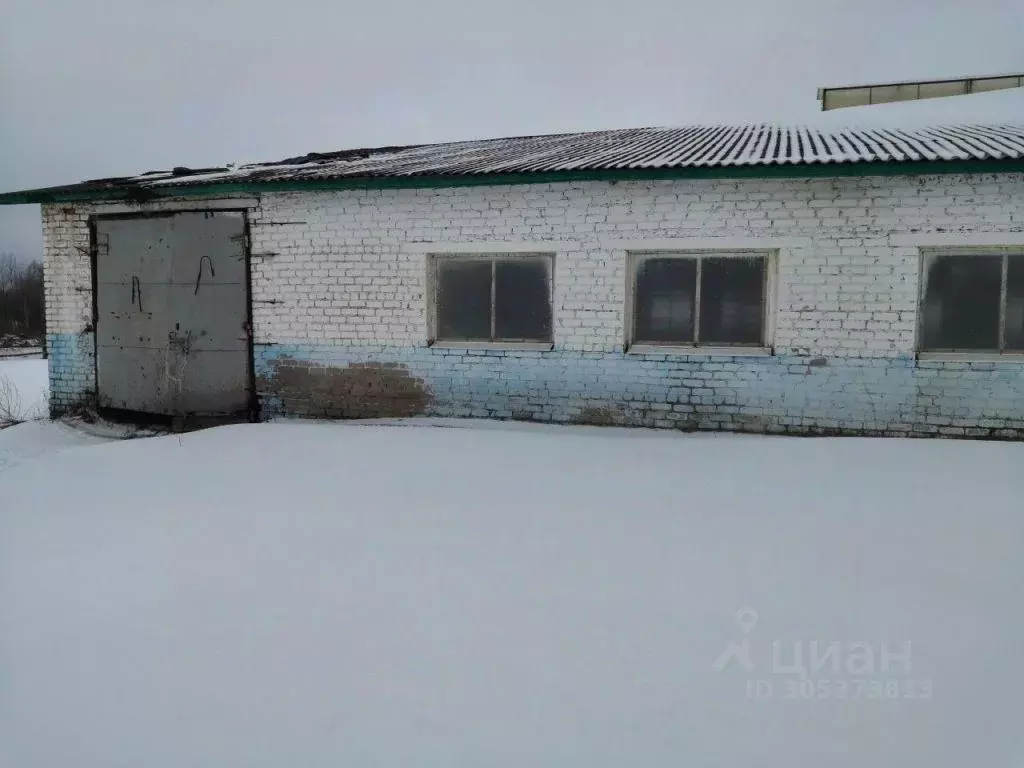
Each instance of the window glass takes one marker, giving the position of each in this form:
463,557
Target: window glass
464,300
732,300
1015,303
522,302
665,300
493,298
962,302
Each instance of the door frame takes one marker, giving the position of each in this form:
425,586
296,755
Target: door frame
252,409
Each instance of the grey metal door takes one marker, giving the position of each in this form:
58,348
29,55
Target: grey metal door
172,302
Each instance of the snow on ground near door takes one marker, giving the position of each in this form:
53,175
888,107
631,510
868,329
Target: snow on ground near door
307,594
24,389
22,442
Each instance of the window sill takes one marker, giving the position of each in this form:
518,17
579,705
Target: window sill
537,346
972,357
658,349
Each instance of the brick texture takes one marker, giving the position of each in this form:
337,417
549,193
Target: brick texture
339,279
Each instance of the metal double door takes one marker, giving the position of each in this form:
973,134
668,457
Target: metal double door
172,299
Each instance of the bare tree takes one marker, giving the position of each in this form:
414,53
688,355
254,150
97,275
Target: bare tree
21,298
10,403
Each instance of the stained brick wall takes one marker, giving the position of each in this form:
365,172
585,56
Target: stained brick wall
67,274
339,279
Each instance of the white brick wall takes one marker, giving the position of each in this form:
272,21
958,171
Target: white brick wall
350,265
339,282
67,268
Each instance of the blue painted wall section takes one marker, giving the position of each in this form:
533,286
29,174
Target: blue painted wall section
72,369
784,394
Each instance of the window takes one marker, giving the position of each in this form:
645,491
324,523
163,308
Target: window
493,298
973,302
700,299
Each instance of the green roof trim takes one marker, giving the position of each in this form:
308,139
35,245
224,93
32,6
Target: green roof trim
83,193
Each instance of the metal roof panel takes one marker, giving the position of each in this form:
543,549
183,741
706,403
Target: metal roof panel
638,149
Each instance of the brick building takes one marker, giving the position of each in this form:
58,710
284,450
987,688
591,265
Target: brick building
754,278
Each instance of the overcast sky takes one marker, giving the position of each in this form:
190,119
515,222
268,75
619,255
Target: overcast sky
92,89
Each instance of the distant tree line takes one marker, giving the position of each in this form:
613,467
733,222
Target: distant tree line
21,298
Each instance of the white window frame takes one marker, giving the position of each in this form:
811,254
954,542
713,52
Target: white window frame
433,287
952,355
635,258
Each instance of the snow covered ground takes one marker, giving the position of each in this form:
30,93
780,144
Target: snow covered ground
310,594
13,352
23,389
22,442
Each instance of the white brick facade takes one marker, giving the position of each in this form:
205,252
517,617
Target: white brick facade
67,270
348,268
352,267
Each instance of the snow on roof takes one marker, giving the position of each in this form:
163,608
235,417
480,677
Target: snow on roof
639,148
636,149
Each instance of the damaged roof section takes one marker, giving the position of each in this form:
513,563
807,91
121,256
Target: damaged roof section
748,150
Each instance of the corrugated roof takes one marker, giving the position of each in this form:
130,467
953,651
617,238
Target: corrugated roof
635,149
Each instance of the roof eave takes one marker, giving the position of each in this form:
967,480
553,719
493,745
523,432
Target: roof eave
139,194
